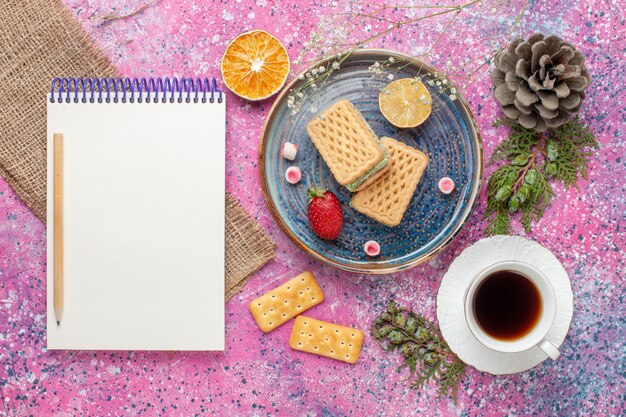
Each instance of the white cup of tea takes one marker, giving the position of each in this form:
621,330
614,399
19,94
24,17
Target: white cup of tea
510,307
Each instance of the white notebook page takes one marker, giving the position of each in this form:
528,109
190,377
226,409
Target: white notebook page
143,226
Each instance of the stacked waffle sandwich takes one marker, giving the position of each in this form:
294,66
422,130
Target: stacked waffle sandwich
383,173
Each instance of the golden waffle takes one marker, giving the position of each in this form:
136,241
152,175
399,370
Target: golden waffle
388,197
347,144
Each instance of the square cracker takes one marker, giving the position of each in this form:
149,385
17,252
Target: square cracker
387,198
346,142
286,301
326,339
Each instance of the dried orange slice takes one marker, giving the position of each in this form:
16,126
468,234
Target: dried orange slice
255,65
405,103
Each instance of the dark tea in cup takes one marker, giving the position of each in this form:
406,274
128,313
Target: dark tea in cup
510,307
507,305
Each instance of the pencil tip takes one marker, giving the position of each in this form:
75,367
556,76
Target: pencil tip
58,322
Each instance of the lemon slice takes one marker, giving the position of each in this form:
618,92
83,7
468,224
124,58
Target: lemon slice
405,103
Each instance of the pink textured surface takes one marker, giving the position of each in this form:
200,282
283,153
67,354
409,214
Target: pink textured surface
258,374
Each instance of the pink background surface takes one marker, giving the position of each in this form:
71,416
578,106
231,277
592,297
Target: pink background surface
259,374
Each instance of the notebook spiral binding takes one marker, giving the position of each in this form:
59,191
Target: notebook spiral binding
116,90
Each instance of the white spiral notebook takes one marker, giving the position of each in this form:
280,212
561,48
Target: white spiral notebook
142,214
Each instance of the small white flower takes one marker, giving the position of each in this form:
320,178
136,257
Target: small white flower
335,65
391,59
452,97
313,109
314,71
390,77
453,90
445,81
438,83
431,82
418,79
321,69
301,76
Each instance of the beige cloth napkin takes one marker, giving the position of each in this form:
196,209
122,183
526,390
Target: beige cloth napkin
39,40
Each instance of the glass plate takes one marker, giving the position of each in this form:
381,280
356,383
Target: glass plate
449,137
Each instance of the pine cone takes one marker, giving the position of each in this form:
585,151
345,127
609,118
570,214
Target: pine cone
540,82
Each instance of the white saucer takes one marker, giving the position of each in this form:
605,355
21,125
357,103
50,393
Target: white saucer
450,302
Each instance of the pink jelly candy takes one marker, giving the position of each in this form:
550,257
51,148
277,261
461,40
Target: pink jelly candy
293,175
371,248
446,185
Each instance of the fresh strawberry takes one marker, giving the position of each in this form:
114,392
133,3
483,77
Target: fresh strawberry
325,213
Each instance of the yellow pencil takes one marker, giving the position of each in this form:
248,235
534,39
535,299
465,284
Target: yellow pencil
58,226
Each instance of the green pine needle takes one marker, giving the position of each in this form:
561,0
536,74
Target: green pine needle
425,353
520,185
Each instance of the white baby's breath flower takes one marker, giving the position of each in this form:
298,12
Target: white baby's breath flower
431,82
452,97
453,90
390,77
391,59
321,69
335,65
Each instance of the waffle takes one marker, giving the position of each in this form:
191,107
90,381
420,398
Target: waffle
348,145
388,197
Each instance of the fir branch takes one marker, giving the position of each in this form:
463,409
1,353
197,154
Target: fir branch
521,184
425,352
572,144
519,143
